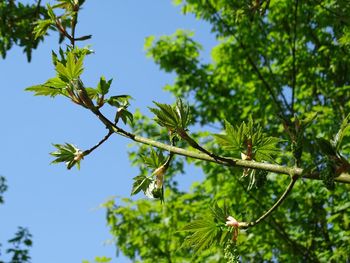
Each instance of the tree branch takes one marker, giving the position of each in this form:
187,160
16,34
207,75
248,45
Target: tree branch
227,161
245,225
87,152
294,74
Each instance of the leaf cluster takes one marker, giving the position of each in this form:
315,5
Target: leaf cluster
147,183
68,154
249,140
20,243
3,188
69,9
175,118
332,161
209,230
17,26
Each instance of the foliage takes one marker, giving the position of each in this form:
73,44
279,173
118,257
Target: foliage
20,243
252,74
18,26
3,188
278,64
99,260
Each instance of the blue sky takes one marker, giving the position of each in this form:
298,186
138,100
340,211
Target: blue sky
61,207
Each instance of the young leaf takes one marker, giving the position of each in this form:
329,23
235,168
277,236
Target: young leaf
344,129
41,27
266,148
165,115
74,67
42,90
204,234
52,87
69,154
92,93
141,182
119,101
103,86
125,115
153,159
248,139
207,231
172,117
183,111
232,140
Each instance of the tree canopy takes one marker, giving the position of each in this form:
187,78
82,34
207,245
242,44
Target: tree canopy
266,120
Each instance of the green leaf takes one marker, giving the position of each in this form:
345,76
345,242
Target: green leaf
119,101
53,87
67,153
125,115
92,93
204,233
141,182
207,231
74,67
102,259
343,131
62,72
50,12
266,148
165,115
41,27
172,117
103,86
154,159
236,140
232,140
183,111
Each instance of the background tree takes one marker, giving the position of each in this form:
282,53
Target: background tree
289,56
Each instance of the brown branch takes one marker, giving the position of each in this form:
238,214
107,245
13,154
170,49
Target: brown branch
87,152
63,30
74,22
245,225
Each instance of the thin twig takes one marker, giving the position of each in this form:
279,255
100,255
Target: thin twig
74,23
245,225
63,30
276,225
87,152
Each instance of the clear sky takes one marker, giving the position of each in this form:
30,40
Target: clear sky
61,207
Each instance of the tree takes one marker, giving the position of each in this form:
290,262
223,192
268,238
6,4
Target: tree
278,86
21,242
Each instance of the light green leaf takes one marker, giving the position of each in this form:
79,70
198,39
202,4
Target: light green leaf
41,27
141,182
67,153
74,67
